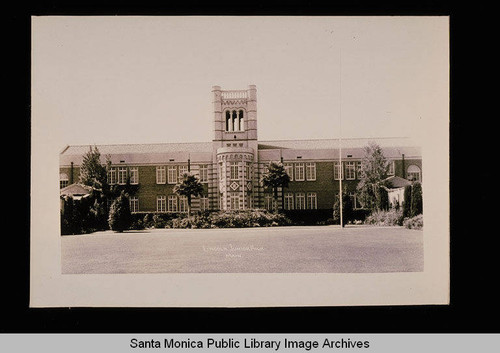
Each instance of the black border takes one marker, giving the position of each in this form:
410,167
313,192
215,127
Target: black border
473,295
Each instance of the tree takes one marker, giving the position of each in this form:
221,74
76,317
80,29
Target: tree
120,217
407,201
374,169
189,186
275,177
416,199
92,172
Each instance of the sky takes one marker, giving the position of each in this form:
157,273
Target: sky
113,80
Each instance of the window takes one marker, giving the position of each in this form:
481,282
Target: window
359,170
247,171
134,204
289,170
311,201
337,171
112,176
350,170
161,204
134,175
172,174
311,171
203,173
183,169
390,168
269,202
172,203
413,173
234,170
299,171
288,201
160,175
300,201
204,203
183,204
122,175
234,202
221,171
240,117
63,180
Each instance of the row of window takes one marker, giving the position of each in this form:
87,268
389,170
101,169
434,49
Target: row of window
174,203
297,201
234,171
296,171
118,175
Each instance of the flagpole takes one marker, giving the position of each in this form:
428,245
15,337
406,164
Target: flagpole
340,142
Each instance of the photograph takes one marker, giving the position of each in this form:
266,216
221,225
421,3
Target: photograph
242,155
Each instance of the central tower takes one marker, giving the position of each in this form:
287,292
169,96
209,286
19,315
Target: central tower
234,184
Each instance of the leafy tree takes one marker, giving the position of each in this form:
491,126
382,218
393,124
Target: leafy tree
374,169
416,199
120,217
189,186
382,199
275,177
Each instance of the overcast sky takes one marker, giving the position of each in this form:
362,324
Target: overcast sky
149,79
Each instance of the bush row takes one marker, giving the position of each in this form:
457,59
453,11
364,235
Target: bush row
231,219
395,217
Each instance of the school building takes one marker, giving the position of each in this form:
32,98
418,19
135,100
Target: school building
231,165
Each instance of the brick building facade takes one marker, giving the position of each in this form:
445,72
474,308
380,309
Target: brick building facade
230,167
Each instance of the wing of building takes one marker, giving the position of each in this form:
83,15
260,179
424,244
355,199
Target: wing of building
231,165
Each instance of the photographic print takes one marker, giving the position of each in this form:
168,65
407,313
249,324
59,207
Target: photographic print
249,156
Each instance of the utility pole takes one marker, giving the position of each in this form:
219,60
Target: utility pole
340,143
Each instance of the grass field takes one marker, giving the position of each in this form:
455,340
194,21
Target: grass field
248,250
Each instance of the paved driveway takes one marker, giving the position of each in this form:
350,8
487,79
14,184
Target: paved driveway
248,250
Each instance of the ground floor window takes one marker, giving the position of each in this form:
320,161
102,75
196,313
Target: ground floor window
288,201
312,201
300,201
204,203
172,204
234,202
134,204
183,204
161,204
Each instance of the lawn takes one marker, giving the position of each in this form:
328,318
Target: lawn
248,250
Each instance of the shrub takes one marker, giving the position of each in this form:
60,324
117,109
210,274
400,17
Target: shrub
120,217
385,218
416,222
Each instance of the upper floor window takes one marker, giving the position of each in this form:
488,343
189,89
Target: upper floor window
311,171
112,176
203,173
122,175
359,170
183,169
134,175
172,174
160,175
234,171
63,180
337,171
234,120
299,171
350,170
390,168
289,170
413,173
